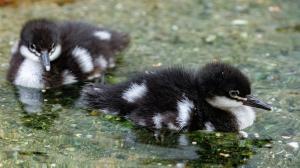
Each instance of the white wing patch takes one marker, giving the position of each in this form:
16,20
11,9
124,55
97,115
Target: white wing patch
101,61
184,108
68,78
30,74
83,59
103,35
134,92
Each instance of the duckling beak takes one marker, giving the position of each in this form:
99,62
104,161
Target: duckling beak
45,60
255,102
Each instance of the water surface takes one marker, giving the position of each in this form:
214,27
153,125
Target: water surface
260,37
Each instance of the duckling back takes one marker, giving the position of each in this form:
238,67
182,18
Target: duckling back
162,99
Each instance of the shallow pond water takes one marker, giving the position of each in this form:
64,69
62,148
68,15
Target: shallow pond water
261,37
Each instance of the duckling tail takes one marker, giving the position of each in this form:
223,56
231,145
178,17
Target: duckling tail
105,98
92,95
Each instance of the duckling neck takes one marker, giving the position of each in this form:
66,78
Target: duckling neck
244,115
30,74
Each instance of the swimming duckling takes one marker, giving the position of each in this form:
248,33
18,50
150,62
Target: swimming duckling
50,54
215,98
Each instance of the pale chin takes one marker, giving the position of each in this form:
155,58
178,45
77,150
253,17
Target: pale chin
29,55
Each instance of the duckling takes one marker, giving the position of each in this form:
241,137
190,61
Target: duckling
51,54
214,98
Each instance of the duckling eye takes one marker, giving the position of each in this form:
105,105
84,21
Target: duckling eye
234,93
32,47
52,46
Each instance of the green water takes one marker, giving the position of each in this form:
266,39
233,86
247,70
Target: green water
261,37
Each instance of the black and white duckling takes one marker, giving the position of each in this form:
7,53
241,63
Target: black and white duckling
50,54
215,98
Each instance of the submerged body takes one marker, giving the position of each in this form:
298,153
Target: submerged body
50,54
179,99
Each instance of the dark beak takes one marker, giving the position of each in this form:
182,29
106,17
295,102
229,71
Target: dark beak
45,60
255,102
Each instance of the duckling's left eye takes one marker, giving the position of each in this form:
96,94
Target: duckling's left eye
234,93
32,47
52,45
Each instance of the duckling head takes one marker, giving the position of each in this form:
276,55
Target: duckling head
226,87
40,42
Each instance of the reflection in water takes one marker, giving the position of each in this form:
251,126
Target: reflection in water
201,148
31,99
42,107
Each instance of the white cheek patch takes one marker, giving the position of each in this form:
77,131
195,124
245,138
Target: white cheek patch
184,108
101,61
223,102
134,92
30,74
209,126
56,53
28,54
157,120
103,35
244,115
83,59
68,78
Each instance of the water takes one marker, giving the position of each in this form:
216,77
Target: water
260,37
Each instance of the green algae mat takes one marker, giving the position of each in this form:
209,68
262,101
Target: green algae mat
261,37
